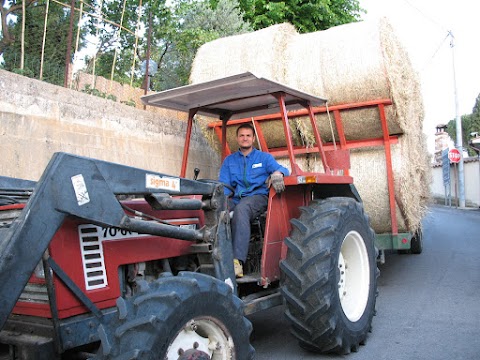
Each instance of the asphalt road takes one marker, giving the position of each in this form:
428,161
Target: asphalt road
428,306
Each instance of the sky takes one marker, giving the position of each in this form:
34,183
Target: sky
423,27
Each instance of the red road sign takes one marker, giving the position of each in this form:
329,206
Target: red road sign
454,155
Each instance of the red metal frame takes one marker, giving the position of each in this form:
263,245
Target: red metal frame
299,150
186,147
388,159
290,150
281,208
334,157
13,207
288,134
318,138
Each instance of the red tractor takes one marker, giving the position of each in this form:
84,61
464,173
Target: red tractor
105,261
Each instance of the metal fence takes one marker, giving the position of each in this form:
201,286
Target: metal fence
50,25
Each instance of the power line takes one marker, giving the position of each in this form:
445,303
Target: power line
430,18
435,52
436,23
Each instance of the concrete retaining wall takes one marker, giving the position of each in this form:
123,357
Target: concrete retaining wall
38,119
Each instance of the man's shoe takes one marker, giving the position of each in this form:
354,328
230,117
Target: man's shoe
238,268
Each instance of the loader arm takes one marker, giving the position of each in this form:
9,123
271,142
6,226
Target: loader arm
87,188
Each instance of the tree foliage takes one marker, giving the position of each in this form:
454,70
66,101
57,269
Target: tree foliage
178,28
176,34
470,124
305,15
198,24
58,23
9,9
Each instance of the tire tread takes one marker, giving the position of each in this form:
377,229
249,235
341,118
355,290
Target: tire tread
309,283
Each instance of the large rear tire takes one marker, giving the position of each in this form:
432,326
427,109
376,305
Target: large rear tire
330,276
189,316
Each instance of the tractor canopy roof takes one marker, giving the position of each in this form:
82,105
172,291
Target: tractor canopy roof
234,97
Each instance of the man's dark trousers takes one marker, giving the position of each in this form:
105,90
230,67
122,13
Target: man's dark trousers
244,212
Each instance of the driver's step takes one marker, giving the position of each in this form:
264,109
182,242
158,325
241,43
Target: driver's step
249,278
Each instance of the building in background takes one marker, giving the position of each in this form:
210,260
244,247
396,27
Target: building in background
442,141
472,172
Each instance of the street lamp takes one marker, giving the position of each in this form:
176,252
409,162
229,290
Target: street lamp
458,123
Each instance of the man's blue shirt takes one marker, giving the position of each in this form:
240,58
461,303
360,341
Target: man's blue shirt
247,174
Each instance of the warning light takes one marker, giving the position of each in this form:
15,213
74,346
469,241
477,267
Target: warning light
310,179
404,240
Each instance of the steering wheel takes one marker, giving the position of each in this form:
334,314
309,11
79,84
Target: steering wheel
232,190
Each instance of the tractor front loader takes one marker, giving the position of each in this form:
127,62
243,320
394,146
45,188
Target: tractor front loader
80,194
104,261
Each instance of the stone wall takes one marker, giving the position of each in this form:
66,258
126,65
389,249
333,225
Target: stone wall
38,119
122,92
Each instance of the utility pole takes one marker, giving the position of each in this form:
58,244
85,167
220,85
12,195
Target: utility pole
68,53
149,39
458,122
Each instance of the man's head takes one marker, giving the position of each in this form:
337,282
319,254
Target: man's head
245,137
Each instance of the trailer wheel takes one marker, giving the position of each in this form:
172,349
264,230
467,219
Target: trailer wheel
189,316
416,244
330,276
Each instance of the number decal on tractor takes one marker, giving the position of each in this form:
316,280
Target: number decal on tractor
114,233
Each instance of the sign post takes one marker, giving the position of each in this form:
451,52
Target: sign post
454,156
446,177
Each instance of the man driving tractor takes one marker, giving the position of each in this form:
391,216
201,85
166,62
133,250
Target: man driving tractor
250,172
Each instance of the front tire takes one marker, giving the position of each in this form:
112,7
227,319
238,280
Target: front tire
189,316
330,276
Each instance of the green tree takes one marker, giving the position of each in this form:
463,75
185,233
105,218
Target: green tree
199,23
9,10
58,24
470,124
177,32
305,15
116,44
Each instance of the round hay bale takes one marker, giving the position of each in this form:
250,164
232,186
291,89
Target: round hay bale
368,168
261,52
411,173
354,63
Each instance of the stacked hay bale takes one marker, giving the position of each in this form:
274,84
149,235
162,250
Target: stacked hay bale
263,53
346,64
360,62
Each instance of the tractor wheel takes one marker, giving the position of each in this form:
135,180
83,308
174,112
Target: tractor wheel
330,276
416,244
189,316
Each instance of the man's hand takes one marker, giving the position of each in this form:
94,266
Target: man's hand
276,180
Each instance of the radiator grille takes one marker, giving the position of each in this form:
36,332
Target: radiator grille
92,256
